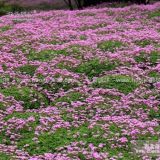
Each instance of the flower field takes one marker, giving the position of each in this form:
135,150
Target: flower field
79,85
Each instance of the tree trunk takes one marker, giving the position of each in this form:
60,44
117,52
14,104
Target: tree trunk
79,4
69,4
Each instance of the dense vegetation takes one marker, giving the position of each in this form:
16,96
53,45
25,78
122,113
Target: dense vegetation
81,84
84,3
6,6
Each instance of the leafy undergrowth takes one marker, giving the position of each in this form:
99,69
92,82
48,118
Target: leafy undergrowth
80,85
4,156
123,83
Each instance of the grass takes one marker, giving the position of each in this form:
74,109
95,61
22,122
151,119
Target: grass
5,28
21,115
49,142
86,14
154,74
4,156
93,27
154,114
141,57
26,134
94,67
83,37
154,14
2,106
153,57
75,96
3,138
66,116
45,55
26,95
27,69
146,42
114,128
4,67
124,84
55,86
110,45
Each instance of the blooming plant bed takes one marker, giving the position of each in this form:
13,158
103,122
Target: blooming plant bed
79,85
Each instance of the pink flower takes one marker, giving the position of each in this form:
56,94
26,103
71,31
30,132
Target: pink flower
96,156
123,140
157,85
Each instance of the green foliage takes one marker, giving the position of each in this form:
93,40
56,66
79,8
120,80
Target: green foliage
154,114
124,84
154,14
4,67
26,134
66,116
3,138
75,96
154,74
48,142
4,156
46,55
5,28
55,42
55,86
2,106
28,69
4,9
114,128
94,67
81,156
143,43
141,57
86,14
146,42
7,8
21,115
93,27
110,45
147,137
26,95
153,57
83,37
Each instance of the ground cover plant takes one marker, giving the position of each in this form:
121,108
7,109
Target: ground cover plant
79,85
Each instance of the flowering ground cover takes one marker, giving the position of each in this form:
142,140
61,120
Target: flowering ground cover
79,85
